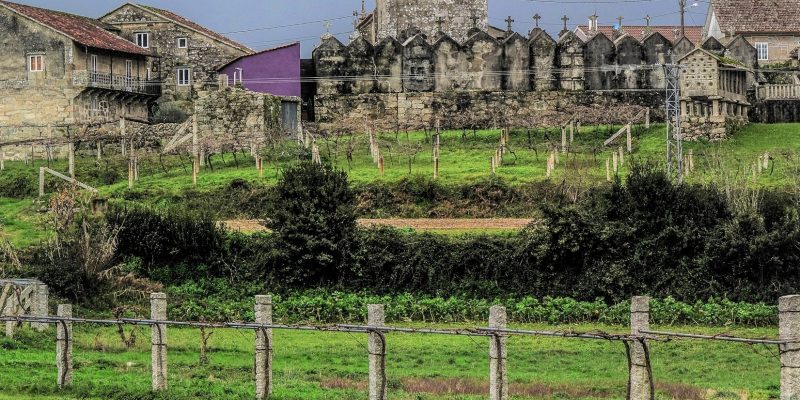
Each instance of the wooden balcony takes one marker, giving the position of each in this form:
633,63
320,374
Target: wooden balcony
120,83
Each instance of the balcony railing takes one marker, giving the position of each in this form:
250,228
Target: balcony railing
779,92
122,83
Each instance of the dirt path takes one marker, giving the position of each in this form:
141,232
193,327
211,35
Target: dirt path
423,224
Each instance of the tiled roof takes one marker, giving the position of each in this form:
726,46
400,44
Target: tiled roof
693,33
757,15
197,27
86,31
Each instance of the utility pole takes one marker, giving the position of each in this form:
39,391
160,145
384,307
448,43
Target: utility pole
682,4
672,73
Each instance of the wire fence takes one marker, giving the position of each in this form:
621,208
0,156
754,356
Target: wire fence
640,385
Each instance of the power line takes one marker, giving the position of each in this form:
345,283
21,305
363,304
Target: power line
267,28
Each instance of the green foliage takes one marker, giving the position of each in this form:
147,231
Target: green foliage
170,112
314,216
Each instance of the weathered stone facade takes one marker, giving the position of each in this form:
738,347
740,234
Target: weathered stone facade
205,51
77,84
392,17
423,109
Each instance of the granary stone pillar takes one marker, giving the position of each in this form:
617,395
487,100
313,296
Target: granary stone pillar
376,317
715,107
158,349
639,362
263,310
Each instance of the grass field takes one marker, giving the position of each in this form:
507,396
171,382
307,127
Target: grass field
334,366
464,159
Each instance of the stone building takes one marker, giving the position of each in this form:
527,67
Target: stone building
456,17
713,95
188,53
59,69
771,27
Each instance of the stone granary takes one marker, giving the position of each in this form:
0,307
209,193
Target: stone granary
713,95
483,70
59,69
188,53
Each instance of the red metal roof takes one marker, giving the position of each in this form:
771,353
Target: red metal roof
86,31
195,26
693,33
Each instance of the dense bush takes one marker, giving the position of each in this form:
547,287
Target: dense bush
314,217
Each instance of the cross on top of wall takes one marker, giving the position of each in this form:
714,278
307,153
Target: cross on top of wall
620,18
510,22
327,30
565,19
474,19
440,23
536,19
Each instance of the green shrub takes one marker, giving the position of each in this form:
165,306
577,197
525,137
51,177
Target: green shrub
170,112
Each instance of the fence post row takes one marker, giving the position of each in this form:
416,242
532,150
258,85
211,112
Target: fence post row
39,306
376,317
498,355
639,380
789,329
64,346
263,359
158,349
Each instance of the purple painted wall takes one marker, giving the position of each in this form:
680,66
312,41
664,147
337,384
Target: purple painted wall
275,71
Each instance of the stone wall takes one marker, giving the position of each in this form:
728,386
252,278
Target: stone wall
423,109
234,112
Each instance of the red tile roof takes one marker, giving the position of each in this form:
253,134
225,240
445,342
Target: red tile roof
693,33
86,31
757,16
195,26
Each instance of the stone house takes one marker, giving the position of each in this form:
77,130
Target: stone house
713,95
772,27
59,69
188,53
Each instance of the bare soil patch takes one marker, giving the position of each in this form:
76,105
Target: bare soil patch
422,224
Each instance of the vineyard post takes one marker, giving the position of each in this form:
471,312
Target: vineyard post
621,156
40,306
158,349
630,139
2,159
571,131
789,329
498,355
263,311
563,139
608,170
376,317
64,346
41,181
615,159
122,134
647,119
639,374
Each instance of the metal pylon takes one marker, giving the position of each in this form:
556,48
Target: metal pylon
672,73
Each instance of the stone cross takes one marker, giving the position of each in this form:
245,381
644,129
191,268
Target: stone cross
647,19
565,19
536,19
363,7
620,18
510,22
356,20
474,19
593,22
328,26
440,23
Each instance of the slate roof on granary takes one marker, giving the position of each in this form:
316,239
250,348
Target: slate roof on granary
196,27
693,33
86,31
757,16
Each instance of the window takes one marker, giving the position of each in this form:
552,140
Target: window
36,63
129,68
763,51
184,77
143,40
93,68
183,43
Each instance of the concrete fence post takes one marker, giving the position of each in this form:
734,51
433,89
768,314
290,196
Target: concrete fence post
377,353
263,310
158,349
40,306
789,328
639,374
498,355
64,346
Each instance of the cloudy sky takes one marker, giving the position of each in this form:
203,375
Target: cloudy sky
262,24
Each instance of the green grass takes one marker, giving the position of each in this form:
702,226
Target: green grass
20,223
307,363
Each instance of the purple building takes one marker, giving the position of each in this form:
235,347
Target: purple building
275,71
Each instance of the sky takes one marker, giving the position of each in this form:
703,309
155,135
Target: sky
261,24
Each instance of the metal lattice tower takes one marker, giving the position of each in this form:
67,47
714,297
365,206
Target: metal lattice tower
672,73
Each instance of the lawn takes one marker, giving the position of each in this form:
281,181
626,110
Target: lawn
334,366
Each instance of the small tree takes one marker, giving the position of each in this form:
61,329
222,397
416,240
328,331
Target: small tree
315,218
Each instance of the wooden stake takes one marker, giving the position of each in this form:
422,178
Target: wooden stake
621,156
260,167
571,132
435,167
630,139
647,119
2,159
382,166
615,157
563,139
608,170
130,173
41,181
71,148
